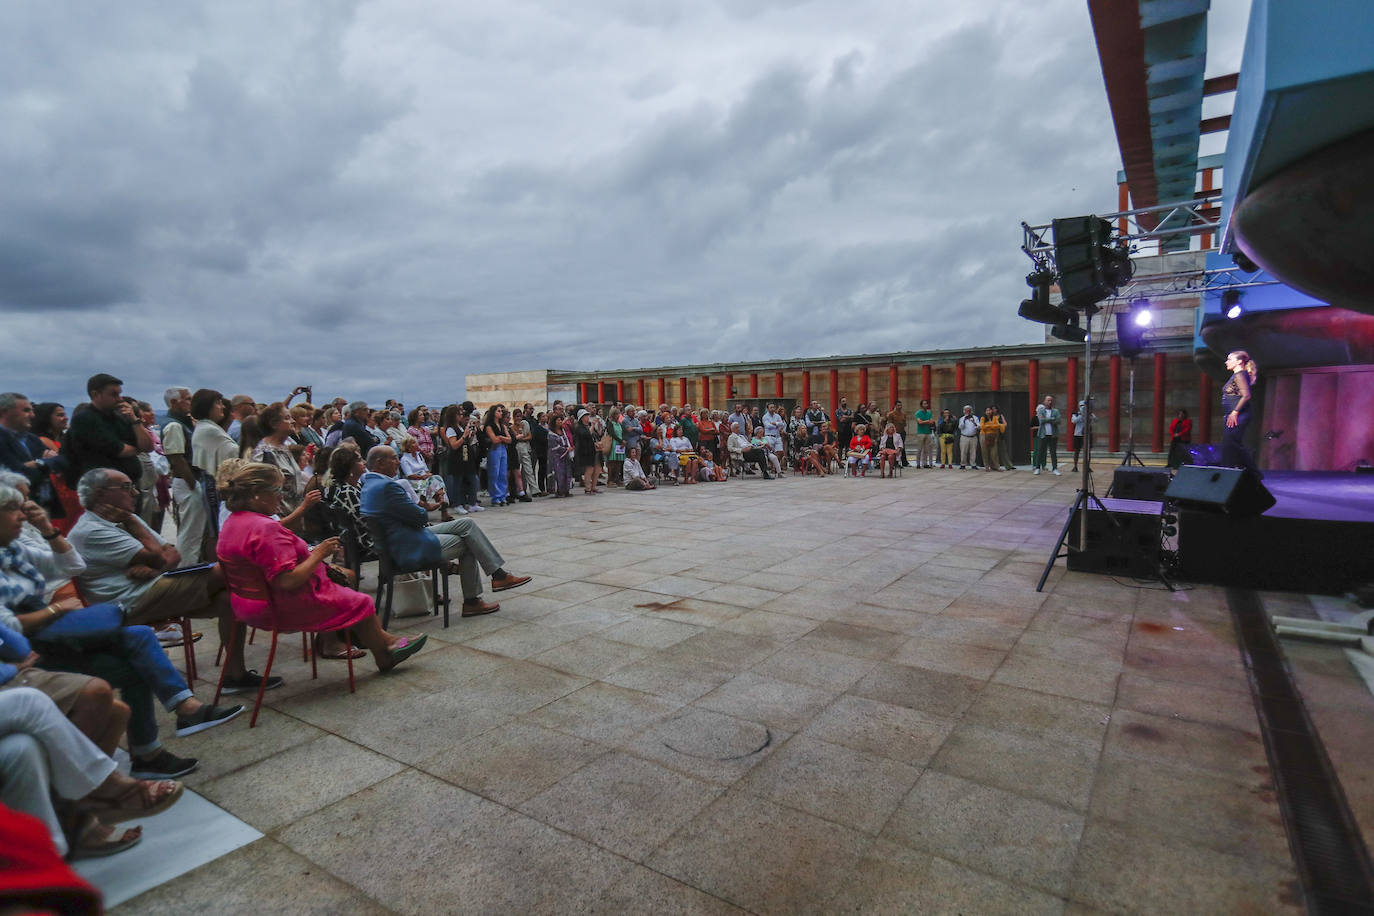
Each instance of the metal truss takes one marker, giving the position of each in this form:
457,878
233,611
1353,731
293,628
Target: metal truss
1187,282
1162,221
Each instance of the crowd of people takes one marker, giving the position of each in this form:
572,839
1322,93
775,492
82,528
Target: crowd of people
277,504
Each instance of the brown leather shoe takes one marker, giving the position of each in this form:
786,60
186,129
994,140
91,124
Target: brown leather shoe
479,607
507,581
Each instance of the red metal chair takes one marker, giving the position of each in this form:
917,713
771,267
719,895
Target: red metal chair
247,581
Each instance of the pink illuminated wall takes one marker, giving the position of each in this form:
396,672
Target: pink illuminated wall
1325,415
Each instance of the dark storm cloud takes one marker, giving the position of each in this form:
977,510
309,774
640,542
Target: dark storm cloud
379,197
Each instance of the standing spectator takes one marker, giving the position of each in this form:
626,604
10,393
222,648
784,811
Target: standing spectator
1080,424
1180,437
210,446
418,427
539,442
355,427
774,426
108,435
991,429
615,461
947,431
897,417
498,436
306,416
188,497
1046,435
844,421
460,434
968,438
241,407
522,425
561,456
1004,442
22,451
739,418
49,423
925,435
689,425
585,452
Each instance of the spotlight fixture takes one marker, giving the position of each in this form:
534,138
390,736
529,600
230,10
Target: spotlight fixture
1230,304
1130,327
1070,330
1038,307
1244,262
1092,265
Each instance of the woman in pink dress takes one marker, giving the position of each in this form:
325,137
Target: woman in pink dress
256,551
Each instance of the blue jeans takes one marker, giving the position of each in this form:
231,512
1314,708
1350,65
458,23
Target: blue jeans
496,473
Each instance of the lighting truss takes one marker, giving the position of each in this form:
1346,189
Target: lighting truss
1162,221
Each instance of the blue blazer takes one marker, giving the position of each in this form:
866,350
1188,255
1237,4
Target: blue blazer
411,545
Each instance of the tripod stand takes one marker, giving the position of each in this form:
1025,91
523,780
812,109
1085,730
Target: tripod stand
1086,498
1130,455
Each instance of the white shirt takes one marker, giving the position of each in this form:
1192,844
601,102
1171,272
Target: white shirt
107,549
414,464
211,446
968,425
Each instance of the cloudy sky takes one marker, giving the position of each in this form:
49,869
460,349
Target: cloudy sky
378,196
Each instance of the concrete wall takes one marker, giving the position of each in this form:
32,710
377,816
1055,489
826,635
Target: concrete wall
509,388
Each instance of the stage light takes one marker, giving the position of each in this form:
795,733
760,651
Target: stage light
1070,330
1143,318
1038,307
1230,304
1130,328
1092,265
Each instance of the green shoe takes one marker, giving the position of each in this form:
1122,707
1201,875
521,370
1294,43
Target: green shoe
402,653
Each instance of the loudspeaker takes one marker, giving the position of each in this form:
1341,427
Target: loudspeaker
1139,483
1235,491
1126,543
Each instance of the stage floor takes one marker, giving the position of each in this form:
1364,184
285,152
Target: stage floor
1331,495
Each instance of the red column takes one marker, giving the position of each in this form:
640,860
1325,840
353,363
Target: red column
1074,395
1157,415
960,377
662,390
834,391
584,390
1033,382
1123,200
729,389
1114,403
620,390
639,392
863,384
1206,186
777,379
705,392
806,387
601,391
682,390
1203,431
753,384
925,382
995,374
893,395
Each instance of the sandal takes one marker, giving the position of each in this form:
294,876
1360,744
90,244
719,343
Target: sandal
96,840
142,798
339,654
404,649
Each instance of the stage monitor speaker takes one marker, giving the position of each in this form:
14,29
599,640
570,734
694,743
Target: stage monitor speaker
1140,483
1130,547
1235,491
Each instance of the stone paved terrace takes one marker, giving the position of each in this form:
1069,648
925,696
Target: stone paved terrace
772,697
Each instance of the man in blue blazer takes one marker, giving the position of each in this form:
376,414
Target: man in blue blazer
413,545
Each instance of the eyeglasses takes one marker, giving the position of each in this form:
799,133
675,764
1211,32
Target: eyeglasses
121,486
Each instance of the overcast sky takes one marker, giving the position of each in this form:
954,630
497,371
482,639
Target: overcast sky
377,197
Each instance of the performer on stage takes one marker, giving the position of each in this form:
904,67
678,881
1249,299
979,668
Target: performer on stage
1236,400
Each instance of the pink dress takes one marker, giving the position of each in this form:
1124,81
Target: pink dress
260,541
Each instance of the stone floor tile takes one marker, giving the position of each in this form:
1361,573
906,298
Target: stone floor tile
1188,668
299,780
604,713
650,632
590,656
838,783
1070,649
512,763
1040,715
934,692
412,729
243,881
622,803
1079,681
1110,631
1153,799
695,611
234,746
775,703
951,657
1128,873
1017,839
746,596
678,586
523,640
1175,700
1228,752
709,745
724,649
847,639
449,851
802,664
673,678
576,591
1056,770
781,627
646,891
519,687
796,859
892,878
988,634
872,613
895,732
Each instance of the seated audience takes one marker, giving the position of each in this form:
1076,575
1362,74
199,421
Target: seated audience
635,478
415,546
760,442
860,448
741,449
430,491
889,451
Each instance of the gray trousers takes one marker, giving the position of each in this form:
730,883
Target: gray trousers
526,455
968,450
41,752
463,541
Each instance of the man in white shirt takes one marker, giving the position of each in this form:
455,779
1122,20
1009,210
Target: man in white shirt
774,425
187,494
968,439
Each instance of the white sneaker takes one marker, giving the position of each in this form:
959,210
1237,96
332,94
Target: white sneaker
460,510
1056,473
477,508
1036,471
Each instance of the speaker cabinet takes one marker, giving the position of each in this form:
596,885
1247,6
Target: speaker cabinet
1234,491
1140,483
1126,543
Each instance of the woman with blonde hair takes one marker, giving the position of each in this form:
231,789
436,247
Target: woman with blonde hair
1237,397
255,549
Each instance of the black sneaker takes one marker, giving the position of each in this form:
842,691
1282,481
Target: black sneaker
162,765
249,683
206,717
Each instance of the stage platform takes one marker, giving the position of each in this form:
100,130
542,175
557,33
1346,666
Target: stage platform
1317,538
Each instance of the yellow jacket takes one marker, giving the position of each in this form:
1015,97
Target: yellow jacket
987,425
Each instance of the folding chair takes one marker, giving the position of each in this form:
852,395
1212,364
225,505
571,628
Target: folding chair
388,570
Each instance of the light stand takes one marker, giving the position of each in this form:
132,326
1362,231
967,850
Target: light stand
1082,502
1130,455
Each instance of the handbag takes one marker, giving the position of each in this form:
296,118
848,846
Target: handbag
605,444
81,630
